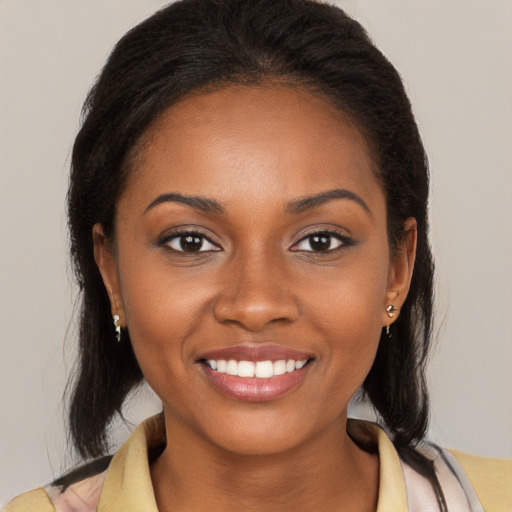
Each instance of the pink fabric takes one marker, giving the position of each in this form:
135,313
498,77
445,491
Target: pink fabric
80,497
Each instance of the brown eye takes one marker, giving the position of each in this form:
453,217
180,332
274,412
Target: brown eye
190,242
321,242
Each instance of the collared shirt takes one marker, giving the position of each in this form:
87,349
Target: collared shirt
469,483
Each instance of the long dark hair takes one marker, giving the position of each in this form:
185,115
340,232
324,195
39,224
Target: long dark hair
196,44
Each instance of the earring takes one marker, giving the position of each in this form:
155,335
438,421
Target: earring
391,310
117,327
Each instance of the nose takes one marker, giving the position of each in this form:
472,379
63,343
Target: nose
256,293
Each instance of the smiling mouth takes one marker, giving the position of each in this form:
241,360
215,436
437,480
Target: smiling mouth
255,369
255,381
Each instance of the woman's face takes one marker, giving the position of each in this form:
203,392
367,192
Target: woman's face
252,267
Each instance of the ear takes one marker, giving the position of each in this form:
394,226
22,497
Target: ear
106,262
400,272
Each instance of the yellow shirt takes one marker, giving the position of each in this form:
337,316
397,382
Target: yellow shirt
469,483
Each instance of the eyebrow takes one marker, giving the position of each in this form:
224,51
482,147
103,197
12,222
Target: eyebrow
206,205
306,203
197,202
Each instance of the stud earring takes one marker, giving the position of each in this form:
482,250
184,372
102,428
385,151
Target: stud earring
391,310
117,327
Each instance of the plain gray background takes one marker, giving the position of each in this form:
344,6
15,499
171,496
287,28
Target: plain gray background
455,57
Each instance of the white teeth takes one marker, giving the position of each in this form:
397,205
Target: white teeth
264,369
280,367
246,369
232,367
260,369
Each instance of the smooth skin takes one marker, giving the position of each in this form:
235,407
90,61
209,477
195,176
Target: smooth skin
254,274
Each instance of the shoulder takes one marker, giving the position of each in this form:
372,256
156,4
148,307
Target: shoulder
82,496
491,479
80,490
32,501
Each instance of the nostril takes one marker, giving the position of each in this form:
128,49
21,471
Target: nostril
256,313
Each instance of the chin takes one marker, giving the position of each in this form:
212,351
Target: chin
267,433
265,444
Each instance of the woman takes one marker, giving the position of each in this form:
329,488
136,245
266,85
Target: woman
248,218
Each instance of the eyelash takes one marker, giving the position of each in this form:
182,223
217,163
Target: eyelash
191,233
344,240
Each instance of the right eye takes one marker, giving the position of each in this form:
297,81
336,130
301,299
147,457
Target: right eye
190,242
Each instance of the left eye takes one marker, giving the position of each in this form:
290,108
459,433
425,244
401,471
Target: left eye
190,242
319,242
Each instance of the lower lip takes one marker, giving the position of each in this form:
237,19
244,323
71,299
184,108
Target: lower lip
250,389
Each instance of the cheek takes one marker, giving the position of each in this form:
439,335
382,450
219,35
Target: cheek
163,312
348,312
351,298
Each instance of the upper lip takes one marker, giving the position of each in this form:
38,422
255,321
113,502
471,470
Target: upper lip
255,353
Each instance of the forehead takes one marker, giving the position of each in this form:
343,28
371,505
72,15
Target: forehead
246,141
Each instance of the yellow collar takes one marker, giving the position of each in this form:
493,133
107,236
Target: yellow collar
128,483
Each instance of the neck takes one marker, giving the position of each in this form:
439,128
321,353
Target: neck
328,472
